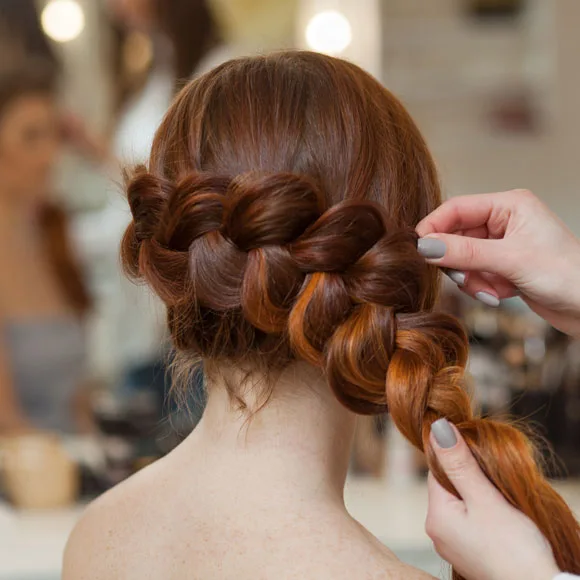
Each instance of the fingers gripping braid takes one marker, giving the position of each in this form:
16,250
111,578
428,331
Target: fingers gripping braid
425,382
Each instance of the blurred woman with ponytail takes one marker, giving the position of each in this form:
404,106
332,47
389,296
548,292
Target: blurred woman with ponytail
158,46
276,221
43,298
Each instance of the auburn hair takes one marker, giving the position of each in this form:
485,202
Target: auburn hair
276,221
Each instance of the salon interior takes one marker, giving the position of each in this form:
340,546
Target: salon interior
493,85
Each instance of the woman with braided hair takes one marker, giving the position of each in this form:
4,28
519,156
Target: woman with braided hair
276,220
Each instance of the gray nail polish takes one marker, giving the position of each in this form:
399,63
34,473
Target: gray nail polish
457,276
444,434
431,249
487,299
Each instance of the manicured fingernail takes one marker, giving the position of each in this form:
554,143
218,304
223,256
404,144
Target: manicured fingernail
488,299
431,248
457,276
444,434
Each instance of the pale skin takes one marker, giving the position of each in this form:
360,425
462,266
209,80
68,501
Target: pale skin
506,243
255,499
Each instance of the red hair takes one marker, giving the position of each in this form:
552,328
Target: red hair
276,220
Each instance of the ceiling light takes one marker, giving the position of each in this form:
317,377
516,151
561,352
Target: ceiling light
63,20
329,32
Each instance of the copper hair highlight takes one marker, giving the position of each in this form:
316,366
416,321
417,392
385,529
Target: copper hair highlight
276,220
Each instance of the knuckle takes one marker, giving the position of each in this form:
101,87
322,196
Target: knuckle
471,252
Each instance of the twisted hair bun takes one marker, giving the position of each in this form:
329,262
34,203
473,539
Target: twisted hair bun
261,260
281,228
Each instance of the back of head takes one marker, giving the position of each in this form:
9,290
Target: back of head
280,206
276,221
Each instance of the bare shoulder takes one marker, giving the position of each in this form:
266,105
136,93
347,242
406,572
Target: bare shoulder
102,534
154,526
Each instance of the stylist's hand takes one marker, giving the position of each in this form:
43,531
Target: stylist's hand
481,535
499,245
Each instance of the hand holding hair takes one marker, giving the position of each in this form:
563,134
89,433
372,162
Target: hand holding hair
496,246
481,534
499,245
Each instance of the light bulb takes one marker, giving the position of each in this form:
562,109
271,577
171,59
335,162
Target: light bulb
329,32
63,20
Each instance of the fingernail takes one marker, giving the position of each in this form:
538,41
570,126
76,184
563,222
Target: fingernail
488,299
457,276
431,248
444,434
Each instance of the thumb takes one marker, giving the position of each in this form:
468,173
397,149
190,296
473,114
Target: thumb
445,514
465,253
459,465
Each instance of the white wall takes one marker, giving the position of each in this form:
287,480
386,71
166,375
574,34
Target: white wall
443,68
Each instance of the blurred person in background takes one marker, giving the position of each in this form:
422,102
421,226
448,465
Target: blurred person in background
22,38
43,298
159,46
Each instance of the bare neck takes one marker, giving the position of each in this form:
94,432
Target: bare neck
299,442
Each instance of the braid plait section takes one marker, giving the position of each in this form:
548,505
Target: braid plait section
259,254
216,251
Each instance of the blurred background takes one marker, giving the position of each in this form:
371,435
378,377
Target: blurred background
494,86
